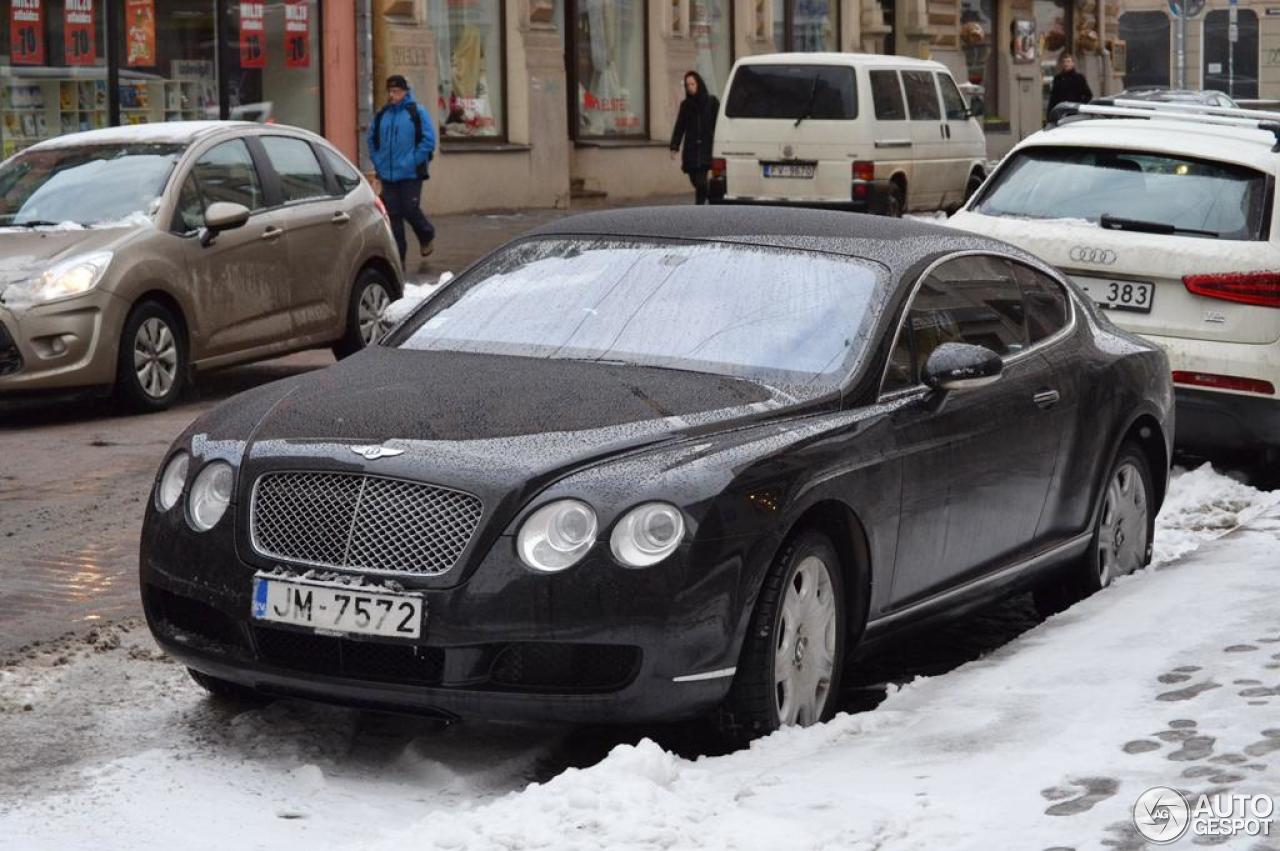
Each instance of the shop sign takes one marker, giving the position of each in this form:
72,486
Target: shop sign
140,32
77,32
253,42
26,32
297,34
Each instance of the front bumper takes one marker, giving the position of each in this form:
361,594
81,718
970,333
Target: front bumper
64,345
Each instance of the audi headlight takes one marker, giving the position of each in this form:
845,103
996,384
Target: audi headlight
557,535
172,480
210,496
647,534
70,277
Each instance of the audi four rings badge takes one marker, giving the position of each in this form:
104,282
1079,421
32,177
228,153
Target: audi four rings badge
1096,256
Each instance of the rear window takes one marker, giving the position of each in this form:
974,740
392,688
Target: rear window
815,92
1193,197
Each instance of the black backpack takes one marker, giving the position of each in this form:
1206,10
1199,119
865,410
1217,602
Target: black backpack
415,115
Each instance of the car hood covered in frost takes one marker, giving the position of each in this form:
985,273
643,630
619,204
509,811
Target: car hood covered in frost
25,252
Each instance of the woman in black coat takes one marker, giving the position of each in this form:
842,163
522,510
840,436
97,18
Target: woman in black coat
1069,85
696,126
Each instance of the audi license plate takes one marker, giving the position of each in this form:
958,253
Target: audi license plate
335,608
801,170
1119,295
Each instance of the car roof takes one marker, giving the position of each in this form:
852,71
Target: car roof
899,244
169,132
858,59
1241,145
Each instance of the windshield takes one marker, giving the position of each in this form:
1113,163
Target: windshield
87,184
817,92
785,317
1213,198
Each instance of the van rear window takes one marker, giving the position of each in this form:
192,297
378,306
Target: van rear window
813,92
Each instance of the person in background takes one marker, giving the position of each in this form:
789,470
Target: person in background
402,140
1069,85
696,126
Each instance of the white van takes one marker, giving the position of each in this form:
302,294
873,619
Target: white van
856,131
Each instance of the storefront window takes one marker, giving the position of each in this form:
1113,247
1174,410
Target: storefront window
468,36
272,57
805,25
169,69
712,29
977,29
1234,71
609,67
1146,39
1053,25
53,70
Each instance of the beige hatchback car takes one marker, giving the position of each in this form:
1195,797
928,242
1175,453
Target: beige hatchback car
132,257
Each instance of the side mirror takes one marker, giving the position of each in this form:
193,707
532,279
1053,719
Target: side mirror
221,216
961,366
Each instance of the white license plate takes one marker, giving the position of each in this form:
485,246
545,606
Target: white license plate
801,170
337,608
1119,295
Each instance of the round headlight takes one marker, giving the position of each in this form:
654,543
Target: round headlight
647,534
172,480
210,496
557,535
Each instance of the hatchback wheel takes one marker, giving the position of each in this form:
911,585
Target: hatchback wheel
367,321
152,366
789,670
1121,540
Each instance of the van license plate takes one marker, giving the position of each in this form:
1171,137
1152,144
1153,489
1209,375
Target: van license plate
800,170
1134,296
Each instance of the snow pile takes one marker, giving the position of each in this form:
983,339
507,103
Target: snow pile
414,294
1203,504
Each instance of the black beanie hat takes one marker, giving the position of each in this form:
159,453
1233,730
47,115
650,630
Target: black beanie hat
397,81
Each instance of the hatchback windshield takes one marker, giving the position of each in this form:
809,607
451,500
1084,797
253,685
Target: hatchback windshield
87,184
1192,197
776,316
819,92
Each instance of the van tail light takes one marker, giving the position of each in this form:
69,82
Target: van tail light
1258,288
864,170
1224,382
718,167
382,208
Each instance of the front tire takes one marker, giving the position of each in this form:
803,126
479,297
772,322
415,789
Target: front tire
151,368
367,321
1122,533
789,670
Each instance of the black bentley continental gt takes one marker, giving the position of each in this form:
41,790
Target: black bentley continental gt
662,463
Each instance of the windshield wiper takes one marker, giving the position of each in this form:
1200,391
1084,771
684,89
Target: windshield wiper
1111,222
808,107
35,223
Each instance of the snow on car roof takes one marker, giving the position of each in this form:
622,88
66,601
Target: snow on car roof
175,132
1241,145
839,59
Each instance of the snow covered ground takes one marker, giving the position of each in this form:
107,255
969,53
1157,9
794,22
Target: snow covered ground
1172,677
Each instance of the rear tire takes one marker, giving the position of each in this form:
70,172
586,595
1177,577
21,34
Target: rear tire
1122,534
896,203
366,313
789,669
151,366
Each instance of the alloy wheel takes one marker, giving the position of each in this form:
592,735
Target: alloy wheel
804,657
155,358
1122,537
374,323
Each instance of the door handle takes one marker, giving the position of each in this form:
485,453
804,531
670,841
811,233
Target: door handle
340,218
893,143
1046,398
272,233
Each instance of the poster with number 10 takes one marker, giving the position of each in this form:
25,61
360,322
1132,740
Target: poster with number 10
253,42
26,32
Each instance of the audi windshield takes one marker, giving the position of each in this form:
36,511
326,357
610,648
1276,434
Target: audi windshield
1131,190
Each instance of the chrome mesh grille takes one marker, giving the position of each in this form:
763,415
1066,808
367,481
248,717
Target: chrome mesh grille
362,522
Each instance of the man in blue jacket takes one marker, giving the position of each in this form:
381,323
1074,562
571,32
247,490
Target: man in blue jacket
401,143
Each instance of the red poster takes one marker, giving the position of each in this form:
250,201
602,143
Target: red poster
253,42
77,30
26,32
297,33
140,32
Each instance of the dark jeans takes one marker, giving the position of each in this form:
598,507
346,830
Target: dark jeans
401,198
699,181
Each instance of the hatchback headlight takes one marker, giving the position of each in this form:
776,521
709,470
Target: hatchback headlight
70,277
210,496
647,534
557,535
172,480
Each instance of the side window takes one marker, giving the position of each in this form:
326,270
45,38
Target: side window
901,371
346,176
886,93
951,99
226,173
922,95
295,162
1045,302
190,213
